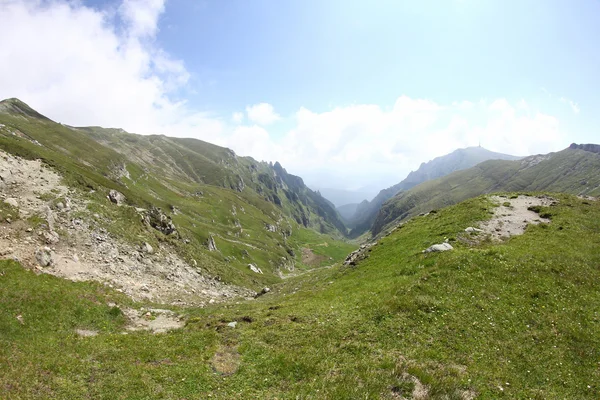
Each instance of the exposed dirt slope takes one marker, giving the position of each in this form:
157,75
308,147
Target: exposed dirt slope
78,250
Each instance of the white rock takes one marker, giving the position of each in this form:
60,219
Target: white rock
439,247
44,256
51,237
146,248
471,229
116,197
11,201
232,324
255,269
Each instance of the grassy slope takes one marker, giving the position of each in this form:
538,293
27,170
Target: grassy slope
522,316
570,171
87,165
196,161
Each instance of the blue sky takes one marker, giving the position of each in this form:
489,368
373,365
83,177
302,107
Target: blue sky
343,93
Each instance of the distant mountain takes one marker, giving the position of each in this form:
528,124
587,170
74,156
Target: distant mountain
574,170
458,160
347,211
340,197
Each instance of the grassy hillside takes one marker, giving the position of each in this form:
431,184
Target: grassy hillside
255,212
460,159
572,170
517,319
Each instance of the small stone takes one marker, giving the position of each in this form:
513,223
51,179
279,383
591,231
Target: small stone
11,201
232,324
255,269
146,248
44,256
438,248
116,197
29,230
51,237
210,243
86,332
471,229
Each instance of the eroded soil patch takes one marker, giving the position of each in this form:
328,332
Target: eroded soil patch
512,216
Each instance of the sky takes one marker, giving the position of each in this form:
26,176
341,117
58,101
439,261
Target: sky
346,94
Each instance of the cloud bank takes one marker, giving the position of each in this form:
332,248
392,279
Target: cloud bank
83,66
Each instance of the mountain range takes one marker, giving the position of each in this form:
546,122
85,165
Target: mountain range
572,170
366,212
253,210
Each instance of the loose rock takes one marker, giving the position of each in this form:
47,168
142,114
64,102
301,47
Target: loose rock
11,201
439,247
255,269
210,243
146,248
116,197
44,256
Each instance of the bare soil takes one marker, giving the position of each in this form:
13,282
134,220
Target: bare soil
511,220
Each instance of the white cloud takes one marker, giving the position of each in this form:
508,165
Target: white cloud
75,65
574,106
262,114
237,117
141,16
362,144
83,66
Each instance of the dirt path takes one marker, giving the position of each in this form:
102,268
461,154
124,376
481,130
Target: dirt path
512,216
82,251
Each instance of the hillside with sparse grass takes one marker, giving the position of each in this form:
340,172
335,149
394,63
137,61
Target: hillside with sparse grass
573,170
367,212
517,318
228,211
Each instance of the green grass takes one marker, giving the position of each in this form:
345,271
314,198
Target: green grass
523,315
568,171
168,172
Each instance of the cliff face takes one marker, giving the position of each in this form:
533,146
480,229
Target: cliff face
593,148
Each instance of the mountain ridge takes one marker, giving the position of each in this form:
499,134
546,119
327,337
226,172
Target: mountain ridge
229,211
572,170
459,159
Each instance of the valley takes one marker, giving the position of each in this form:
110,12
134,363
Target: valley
136,267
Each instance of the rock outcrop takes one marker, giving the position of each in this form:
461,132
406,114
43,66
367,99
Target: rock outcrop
160,221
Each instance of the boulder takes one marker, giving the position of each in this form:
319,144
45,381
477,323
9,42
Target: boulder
271,228
11,201
255,269
160,221
116,197
146,248
210,243
51,237
471,229
439,247
44,256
